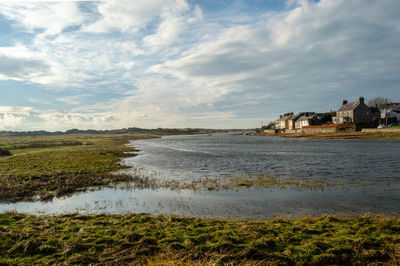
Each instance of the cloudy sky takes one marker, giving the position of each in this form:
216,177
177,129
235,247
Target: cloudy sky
190,63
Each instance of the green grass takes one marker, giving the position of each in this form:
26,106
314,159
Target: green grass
57,165
141,238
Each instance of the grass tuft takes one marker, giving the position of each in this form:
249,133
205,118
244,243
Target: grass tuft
155,240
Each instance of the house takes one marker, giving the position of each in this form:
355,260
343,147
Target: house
393,115
354,112
293,120
277,123
304,121
376,112
284,120
296,123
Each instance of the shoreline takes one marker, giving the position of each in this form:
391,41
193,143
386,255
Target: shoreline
54,170
350,135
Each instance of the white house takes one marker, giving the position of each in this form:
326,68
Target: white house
391,113
304,120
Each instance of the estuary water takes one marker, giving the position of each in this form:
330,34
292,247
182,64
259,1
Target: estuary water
368,172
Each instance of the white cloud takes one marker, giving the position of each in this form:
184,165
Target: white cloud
171,26
51,17
130,16
18,63
167,32
179,67
12,117
29,118
297,54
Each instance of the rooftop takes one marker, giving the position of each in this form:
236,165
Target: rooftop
348,106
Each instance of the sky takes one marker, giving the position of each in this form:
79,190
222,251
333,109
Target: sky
190,63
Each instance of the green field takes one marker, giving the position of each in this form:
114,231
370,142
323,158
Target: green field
57,165
144,239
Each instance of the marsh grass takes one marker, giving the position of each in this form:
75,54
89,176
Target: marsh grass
51,166
161,240
140,181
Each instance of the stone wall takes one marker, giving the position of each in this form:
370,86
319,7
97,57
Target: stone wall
270,131
381,130
292,131
327,129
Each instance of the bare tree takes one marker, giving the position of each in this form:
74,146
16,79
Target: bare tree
379,101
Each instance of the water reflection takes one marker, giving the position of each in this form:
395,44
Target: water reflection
243,203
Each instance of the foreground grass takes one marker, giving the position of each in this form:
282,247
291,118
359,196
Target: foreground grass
57,165
141,238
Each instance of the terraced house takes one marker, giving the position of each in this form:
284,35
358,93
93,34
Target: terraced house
354,112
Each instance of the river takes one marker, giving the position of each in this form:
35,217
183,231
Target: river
368,171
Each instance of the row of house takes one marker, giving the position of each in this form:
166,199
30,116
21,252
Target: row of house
290,121
349,112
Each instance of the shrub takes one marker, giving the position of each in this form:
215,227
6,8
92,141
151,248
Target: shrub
4,152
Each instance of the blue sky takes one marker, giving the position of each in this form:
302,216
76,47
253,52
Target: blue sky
190,63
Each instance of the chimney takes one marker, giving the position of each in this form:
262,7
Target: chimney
361,100
344,102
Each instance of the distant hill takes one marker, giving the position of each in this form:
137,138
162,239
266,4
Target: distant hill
132,130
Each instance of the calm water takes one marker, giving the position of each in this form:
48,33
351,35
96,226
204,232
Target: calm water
365,161
369,169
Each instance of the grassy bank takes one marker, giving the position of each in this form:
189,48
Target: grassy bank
57,165
48,166
118,239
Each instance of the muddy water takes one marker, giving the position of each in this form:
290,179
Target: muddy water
368,169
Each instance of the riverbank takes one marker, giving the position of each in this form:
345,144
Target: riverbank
145,239
44,167
48,166
350,135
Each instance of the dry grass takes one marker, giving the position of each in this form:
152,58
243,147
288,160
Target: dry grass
140,181
160,240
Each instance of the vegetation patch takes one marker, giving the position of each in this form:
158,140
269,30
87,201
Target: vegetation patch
145,239
51,166
229,182
4,152
43,144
